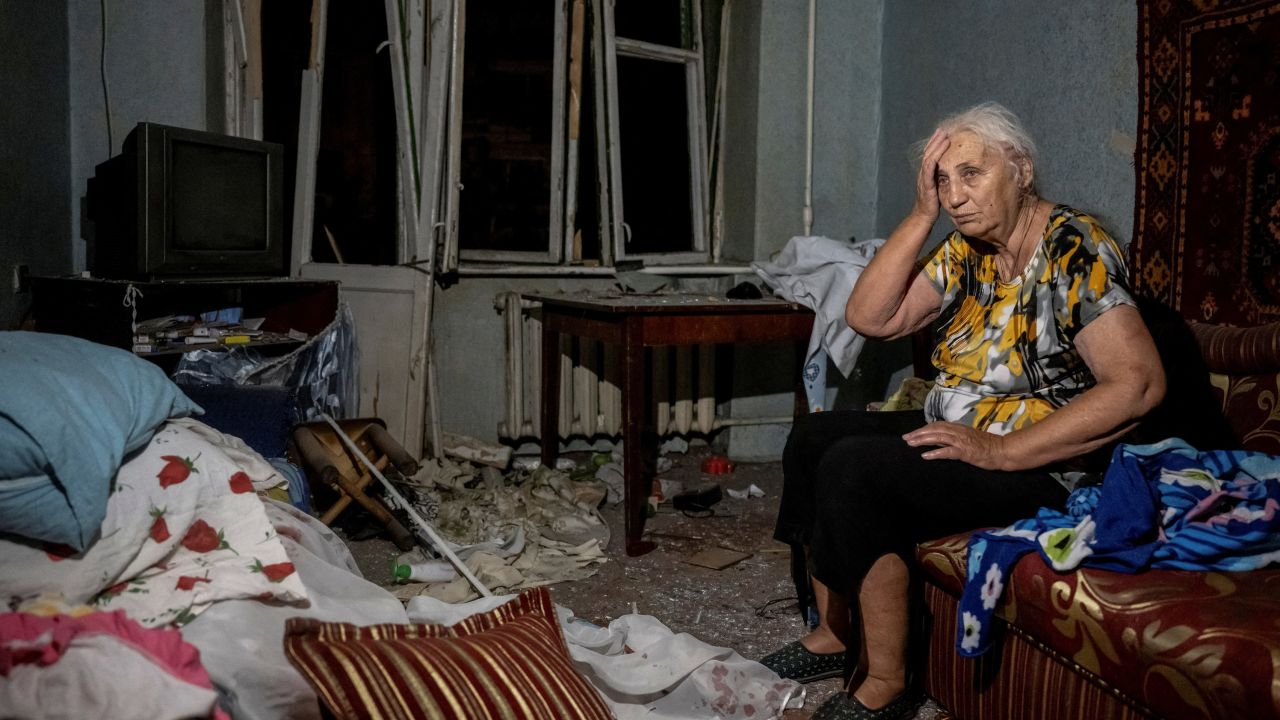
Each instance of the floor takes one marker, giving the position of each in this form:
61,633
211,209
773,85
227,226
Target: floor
748,606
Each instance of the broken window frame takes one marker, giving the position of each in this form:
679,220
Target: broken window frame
419,33
609,143
603,60
418,127
429,202
450,197
239,35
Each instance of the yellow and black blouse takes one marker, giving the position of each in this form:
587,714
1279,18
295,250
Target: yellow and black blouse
1005,354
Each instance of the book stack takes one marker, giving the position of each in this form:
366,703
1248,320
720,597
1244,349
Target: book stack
190,332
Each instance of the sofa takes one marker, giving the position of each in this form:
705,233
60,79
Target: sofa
1096,644
1204,258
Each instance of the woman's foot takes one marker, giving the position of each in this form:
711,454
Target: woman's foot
876,692
823,640
794,661
848,707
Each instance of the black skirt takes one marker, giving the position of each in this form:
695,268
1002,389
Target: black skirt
854,491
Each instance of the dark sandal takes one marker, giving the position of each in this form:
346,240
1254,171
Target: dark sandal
847,707
794,661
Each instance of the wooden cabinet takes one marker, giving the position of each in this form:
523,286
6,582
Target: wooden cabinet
104,310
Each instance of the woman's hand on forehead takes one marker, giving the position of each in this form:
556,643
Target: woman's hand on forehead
927,203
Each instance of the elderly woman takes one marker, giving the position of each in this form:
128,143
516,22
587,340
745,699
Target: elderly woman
1043,363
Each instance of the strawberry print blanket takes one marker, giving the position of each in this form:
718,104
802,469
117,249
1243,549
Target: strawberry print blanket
184,529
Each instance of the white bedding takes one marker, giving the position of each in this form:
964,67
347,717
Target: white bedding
187,542
241,641
102,665
644,671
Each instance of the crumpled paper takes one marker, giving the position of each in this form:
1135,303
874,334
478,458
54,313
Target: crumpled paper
519,530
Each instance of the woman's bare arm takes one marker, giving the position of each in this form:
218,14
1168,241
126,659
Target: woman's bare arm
1130,382
892,298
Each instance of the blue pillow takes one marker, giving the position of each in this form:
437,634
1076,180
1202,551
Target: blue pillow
70,411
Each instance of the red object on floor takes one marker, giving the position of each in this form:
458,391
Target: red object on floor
717,465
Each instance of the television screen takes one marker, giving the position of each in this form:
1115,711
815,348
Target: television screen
206,180
187,203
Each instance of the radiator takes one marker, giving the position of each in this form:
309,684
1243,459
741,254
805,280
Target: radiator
591,383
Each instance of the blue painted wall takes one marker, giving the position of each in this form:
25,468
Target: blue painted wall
1068,69
765,123
155,72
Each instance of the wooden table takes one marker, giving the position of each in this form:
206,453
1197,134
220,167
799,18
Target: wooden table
635,322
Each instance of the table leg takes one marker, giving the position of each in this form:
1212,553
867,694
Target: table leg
635,434
550,393
801,404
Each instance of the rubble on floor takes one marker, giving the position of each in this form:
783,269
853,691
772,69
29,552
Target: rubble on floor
514,530
748,606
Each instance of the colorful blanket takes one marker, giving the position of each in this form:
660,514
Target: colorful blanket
1165,505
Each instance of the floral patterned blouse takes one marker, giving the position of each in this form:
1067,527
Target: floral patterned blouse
1005,351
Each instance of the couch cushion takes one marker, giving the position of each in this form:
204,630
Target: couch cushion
1184,643
1248,402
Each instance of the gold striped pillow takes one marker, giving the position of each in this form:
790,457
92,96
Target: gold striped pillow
511,662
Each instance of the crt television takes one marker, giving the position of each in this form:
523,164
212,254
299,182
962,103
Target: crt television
179,203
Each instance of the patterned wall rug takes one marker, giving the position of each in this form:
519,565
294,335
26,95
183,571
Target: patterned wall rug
1206,235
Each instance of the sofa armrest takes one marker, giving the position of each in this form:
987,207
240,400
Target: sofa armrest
1244,367
1239,351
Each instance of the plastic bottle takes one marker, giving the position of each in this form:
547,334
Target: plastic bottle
429,571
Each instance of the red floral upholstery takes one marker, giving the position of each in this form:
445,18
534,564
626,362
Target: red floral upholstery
1244,365
1167,642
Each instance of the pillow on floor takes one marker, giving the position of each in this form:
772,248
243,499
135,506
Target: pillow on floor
70,411
511,662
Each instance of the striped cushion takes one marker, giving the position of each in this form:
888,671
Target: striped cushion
511,662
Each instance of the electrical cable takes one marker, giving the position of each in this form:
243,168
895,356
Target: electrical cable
131,296
808,135
770,609
102,68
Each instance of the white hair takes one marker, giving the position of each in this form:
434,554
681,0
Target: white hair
996,126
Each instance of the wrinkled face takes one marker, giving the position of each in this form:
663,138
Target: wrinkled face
979,188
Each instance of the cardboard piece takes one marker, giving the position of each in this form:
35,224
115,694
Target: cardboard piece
717,558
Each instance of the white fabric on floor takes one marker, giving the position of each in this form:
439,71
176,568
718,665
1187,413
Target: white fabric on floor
241,641
643,670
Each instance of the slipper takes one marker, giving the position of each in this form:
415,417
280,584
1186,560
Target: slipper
847,707
794,661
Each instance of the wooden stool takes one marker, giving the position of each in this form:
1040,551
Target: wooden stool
324,457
